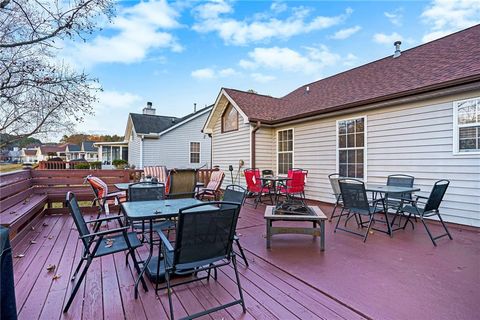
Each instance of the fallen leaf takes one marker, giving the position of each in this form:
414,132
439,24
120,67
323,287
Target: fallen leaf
56,276
33,241
239,234
109,243
370,232
12,212
19,256
51,267
50,237
33,228
45,224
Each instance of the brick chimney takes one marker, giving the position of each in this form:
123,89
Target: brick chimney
148,109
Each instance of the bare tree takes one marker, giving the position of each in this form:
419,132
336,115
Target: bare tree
38,93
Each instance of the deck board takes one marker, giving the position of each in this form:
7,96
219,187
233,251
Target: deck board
293,280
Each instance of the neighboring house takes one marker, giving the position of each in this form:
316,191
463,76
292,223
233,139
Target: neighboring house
29,155
72,151
49,151
88,151
109,151
15,155
169,141
416,114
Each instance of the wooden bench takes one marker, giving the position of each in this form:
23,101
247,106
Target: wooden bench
19,204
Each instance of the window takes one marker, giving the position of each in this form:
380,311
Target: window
284,151
351,148
467,126
230,119
194,152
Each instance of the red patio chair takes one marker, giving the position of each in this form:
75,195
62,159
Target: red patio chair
255,186
212,189
102,198
296,184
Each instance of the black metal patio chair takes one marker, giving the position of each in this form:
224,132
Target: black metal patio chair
149,191
395,201
430,208
236,193
356,203
99,243
333,178
203,242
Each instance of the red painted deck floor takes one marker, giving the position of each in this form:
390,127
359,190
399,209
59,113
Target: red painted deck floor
404,277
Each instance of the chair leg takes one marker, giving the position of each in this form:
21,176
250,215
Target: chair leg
169,293
77,285
445,227
428,231
234,260
332,215
237,241
78,268
368,228
338,221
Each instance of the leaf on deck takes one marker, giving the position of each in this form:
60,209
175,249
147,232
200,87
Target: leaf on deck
51,267
19,256
45,224
109,243
56,276
33,241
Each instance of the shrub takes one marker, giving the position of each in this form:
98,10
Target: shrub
119,163
96,165
82,165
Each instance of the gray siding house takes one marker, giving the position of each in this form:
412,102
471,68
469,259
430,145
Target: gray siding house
169,141
416,114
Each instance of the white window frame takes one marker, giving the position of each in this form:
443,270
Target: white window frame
293,147
365,144
456,147
190,152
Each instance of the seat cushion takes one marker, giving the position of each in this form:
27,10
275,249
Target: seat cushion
118,244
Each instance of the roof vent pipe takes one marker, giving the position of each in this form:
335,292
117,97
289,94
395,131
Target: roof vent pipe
194,107
307,89
398,52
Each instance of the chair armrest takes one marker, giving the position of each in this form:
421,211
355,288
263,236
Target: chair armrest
166,242
105,232
103,219
421,197
207,190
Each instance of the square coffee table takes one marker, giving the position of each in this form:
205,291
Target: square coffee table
318,221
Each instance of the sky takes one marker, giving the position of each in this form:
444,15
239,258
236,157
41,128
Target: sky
175,54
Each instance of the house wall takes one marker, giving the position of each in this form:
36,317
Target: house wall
134,150
172,149
230,147
414,139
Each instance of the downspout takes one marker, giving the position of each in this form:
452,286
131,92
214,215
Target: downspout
141,151
211,150
255,129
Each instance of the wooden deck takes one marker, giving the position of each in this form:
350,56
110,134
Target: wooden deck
385,278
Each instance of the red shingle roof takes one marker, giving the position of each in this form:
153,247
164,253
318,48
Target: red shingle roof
445,62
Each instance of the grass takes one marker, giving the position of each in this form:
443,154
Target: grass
10,167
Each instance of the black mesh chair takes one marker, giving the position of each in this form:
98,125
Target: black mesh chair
333,178
148,191
204,242
99,243
267,173
236,193
395,201
356,203
430,208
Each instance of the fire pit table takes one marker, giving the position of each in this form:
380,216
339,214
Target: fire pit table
298,213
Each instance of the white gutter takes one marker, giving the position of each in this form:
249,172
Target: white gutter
141,151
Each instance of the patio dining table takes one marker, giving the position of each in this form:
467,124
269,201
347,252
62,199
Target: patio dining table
273,182
386,190
136,211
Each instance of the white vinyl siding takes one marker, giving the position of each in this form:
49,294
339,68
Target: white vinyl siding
414,139
230,147
134,150
265,149
172,149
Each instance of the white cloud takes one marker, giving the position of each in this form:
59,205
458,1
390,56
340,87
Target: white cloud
206,73
111,112
262,78
262,27
350,60
137,30
387,38
395,17
211,73
445,17
286,59
278,7
345,33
